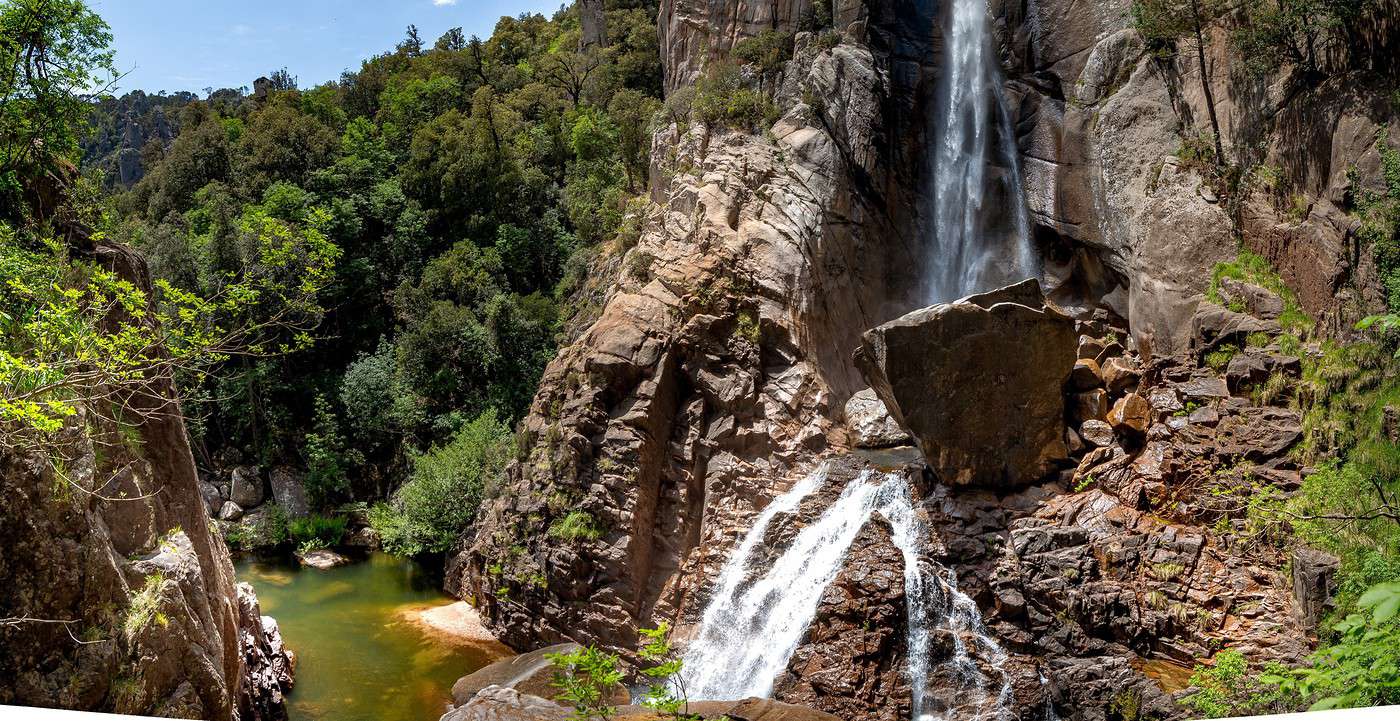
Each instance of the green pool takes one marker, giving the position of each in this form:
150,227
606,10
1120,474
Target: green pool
361,655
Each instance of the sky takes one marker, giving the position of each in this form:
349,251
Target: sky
170,45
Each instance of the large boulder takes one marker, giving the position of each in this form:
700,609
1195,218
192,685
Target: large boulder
246,486
289,491
979,383
498,703
528,673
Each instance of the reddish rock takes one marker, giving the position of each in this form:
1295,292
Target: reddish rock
1131,415
1085,375
1088,406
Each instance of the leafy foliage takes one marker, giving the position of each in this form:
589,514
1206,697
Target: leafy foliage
441,497
1228,688
575,525
318,530
53,53
666,693
1363,667
456,178
585,679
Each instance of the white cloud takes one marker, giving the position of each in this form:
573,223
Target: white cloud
440,3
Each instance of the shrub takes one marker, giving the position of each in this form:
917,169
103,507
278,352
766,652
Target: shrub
666,694
1227,688
585,678
574,526
317,529
724,99
1379,213
1362,668
445,489
1219,358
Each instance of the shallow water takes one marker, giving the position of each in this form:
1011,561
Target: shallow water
359,658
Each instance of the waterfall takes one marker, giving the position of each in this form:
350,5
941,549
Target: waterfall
750,630
980,241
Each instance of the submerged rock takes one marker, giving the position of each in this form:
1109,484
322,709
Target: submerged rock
979,382
323,558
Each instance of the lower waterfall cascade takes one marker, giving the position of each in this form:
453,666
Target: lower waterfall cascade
750,629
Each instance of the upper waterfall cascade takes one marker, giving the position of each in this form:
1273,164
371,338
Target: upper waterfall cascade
980,233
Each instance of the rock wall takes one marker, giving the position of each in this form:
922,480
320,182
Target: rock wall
1124,220
108,545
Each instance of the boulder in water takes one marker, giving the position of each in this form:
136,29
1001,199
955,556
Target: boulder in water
979,383
323,558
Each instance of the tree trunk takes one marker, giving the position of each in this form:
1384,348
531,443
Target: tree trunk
1199,23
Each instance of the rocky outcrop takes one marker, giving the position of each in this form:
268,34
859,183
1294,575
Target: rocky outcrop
268,667
718,370
979,382
498,703
852,663
118,595
1135,223
529,673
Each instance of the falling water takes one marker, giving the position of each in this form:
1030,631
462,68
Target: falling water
976,246
749,632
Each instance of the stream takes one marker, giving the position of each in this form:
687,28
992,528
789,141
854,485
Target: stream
360,654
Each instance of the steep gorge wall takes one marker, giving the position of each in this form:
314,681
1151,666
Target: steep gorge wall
131,597
717,370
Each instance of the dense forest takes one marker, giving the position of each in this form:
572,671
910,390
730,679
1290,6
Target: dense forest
464,185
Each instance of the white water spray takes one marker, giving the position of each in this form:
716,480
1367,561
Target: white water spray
750,632
976,247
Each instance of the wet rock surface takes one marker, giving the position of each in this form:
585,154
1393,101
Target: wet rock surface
851,664
497,703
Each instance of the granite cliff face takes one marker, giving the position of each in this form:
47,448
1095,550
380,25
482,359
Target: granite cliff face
709,380
719,370
119,597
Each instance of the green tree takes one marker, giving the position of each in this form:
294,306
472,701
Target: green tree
446,486
54,58
585,679
1163,23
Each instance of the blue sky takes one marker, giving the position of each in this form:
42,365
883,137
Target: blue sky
170,45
